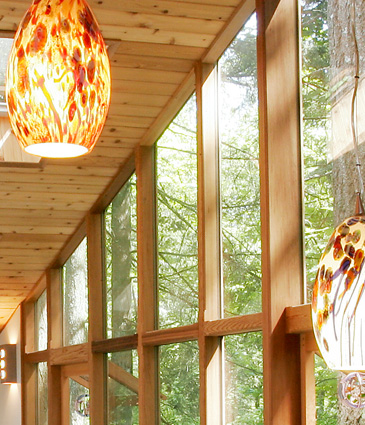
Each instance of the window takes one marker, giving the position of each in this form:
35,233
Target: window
239,175
120,229
75,297
41,325
177,220
123,388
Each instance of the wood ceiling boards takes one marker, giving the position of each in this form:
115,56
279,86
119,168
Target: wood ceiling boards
153,45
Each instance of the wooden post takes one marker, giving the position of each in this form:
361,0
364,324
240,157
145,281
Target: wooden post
29,371
281,204
307,381
54,317
147,278
210,299
97,374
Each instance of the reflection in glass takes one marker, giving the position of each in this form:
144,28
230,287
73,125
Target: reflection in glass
75,297
123,388
42,394
179,377
240,180
120,220
318,198
243,379
5,47
41,322
77,393
177,220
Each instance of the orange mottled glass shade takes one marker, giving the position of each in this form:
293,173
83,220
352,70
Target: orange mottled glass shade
58,79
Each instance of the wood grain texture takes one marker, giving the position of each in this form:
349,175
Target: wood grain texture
298,319
115,344
281,209
234,325
147,278
69,355
171,335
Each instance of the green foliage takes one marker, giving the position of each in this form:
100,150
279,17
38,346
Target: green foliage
180,384
318,196
239,174
244,379
177,220
326,393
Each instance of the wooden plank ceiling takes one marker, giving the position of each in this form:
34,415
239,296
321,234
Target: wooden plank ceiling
154,45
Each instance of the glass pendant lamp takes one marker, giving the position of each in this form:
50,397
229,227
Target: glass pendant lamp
338,301
338,312
58,79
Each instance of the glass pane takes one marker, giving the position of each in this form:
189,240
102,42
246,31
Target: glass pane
316,134
244,402
123,388
240,179
177,220
120,220
179,374
79,406
75,297
41,322
5,47
42,394
326,393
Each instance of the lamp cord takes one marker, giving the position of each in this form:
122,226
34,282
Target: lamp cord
360,184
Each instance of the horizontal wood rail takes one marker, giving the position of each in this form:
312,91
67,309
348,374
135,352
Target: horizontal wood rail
69,355
234,325
36,357
115,344
298,319
169,336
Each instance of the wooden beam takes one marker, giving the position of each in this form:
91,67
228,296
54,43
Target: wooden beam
28,371
210,303
171,335
69,355
97,375
113,345
70,245
234,325
229,31
170,110
281,204
147,278
298,319
36,357
54,308
125,171
308,385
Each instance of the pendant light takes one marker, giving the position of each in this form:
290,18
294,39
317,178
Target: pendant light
58,79
338,301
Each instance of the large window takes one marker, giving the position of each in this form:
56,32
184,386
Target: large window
120,231
175,329
177,220
75,297
240,180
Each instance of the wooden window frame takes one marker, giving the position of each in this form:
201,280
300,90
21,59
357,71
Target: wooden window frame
288,341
